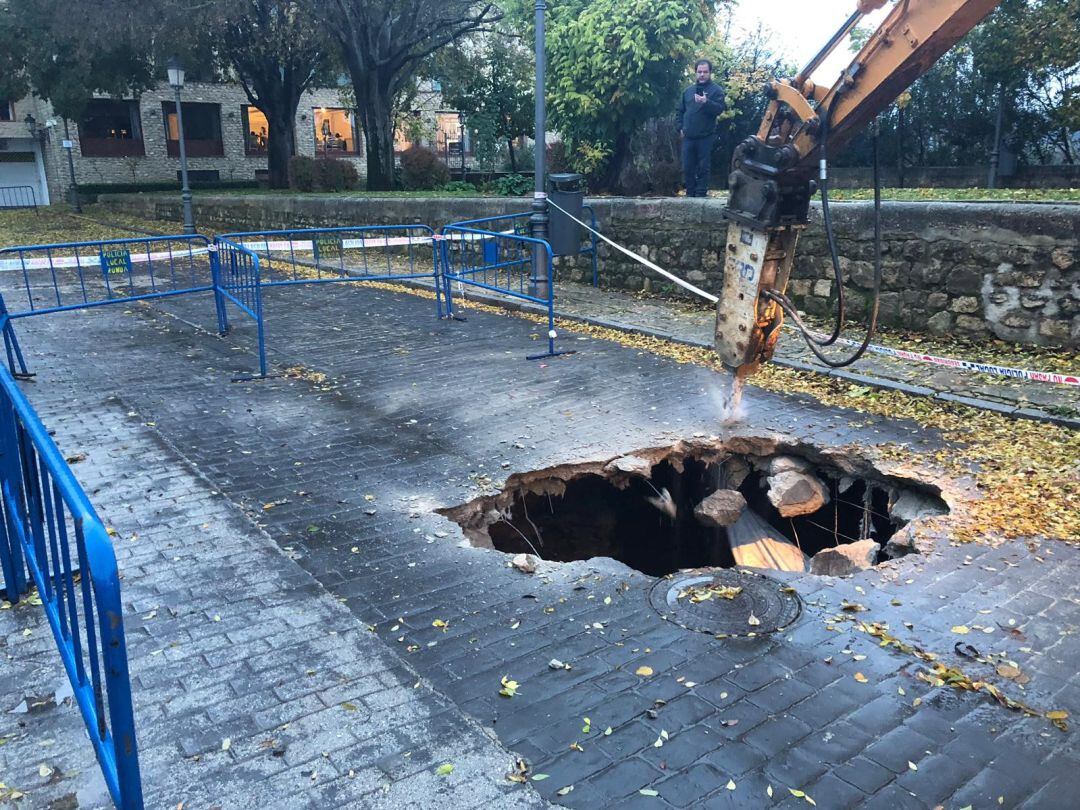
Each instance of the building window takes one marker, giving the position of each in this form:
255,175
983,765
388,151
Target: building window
449,137
7,110
202,129
111,128
336,131
256,129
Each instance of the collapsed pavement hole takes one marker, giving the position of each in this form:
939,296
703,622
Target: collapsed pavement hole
826,512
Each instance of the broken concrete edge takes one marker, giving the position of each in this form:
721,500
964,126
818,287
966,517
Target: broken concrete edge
923,502
1014,410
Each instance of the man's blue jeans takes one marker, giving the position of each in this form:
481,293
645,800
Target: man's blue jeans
696,158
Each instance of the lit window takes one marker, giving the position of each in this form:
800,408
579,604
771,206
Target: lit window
256,128
336,131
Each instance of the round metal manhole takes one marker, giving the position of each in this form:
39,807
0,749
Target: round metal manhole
725,602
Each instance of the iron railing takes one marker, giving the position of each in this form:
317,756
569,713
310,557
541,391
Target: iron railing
18,197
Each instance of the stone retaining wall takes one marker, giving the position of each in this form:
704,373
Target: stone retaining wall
979,269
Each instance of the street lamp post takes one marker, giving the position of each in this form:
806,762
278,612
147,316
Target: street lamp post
176,81
539,219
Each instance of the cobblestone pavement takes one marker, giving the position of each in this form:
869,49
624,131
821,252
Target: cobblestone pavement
679,321
413,412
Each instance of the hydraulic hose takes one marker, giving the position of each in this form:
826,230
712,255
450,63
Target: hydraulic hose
789,309
830,238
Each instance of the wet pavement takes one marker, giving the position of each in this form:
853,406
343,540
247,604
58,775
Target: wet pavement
319,495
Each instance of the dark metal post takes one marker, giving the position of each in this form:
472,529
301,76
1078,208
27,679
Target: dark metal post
185,189
539,219
73,193
461,126
995,156
900,147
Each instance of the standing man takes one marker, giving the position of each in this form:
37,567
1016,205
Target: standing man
701,103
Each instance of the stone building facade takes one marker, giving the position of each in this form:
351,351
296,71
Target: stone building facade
133,141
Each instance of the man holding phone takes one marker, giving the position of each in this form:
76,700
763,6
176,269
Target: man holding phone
701,103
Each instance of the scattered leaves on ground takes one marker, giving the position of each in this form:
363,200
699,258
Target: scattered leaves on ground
509,687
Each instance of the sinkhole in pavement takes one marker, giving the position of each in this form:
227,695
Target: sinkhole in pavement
749,502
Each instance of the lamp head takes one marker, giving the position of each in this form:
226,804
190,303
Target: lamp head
175,70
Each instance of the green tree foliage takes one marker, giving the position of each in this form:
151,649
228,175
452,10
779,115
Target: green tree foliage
1027,53
65,52
613,65
383,44
277,49
490,78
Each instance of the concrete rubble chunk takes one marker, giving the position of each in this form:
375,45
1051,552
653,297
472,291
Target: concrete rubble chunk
525,563
782,464
722,508
793,489
909,506
845,559
735,472
631,465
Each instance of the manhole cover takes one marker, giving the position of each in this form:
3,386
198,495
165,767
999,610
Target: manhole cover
722,601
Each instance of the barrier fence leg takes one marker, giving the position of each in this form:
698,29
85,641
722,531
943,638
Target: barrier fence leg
12,348
219,298
11,483
551,321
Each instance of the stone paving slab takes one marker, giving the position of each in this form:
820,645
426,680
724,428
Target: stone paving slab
229,640
412,412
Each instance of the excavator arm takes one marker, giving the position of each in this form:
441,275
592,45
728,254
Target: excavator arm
776,172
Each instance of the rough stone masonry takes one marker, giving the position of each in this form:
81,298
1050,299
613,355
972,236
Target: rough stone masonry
1004,270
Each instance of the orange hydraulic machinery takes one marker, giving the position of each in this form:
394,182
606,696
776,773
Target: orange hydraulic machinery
777,171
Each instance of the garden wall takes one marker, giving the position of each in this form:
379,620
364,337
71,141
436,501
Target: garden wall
975,269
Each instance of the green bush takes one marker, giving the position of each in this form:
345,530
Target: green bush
459,187
333,174
421,169
303,173
134,188
513,185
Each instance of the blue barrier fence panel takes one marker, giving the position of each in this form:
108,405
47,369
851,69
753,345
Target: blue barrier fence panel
51,537
237,275
467,259
347,254
39,279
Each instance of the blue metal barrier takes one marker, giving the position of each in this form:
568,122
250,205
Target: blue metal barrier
81,275
518,224
238,278
349,254
508,269
51,536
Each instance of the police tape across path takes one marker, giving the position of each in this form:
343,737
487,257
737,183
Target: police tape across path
902,354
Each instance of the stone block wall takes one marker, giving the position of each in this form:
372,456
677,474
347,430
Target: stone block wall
1010,271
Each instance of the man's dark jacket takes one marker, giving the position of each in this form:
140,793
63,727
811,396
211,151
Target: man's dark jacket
699,120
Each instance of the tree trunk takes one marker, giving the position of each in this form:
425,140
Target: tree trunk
513,158
376,117
280,142
610,178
